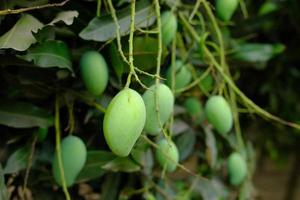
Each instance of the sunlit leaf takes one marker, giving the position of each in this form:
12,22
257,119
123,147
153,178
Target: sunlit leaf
20,37
66,16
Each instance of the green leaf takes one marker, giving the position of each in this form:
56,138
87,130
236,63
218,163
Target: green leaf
185,144
211,147
93,166
267,7
46,33
17,161
20,37
257,52
103,28
116,61
50,54
4,195
210,189
121,164
110,186
66,16
23,115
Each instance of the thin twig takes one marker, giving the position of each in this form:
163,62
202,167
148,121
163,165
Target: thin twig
21,10
58,150
29,164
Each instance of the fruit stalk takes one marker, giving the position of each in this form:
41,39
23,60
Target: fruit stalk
57,148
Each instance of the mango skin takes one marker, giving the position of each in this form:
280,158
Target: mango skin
237,168
182,75
168,27
194,108
73,153
165,106
94,72
124,121
226,8
167,162
218,113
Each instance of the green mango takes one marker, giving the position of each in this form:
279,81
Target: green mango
226,8
73,154
94,72
218,113
194,108
167,155
124,121
183,76
165,102
207,83
168,27
237,168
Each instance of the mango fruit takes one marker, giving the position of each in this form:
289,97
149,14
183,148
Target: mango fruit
218,113
226,8
73,154
124,121
168,27
167,155
165,102
237,168
183,76
94,72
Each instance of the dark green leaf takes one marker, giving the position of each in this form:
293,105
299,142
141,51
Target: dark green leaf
20,37
104,28
185,144
122,165
116,60
17,161
23,115
4,195
46,33
93,166
110,187
50,54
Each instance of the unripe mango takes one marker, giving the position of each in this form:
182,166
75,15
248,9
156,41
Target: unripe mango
226,8
94,72
124,121
167,155
207,83
168,26
194,108
237,168
182,75
165,101
73,154
218,113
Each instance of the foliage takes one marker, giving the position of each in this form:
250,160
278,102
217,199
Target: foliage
248,60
